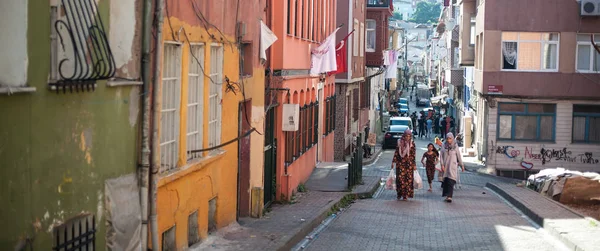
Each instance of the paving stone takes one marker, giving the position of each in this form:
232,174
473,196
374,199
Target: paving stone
476,220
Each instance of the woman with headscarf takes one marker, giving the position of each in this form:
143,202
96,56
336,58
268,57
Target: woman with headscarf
404,158
451,160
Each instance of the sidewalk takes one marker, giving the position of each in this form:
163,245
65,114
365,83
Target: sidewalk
571,228
286,224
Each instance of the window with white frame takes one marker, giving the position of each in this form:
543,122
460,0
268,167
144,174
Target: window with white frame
588,59
530,51
170,105
355,38
362,39
371,35
195,107
216,76
472,37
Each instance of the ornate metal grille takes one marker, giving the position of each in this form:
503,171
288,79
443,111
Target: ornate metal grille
86,54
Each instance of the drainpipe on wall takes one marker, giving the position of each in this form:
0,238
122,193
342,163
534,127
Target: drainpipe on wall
156,99
143,168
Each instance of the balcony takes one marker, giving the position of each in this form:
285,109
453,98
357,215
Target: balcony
378,3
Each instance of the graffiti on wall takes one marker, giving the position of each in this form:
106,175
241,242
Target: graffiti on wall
543,155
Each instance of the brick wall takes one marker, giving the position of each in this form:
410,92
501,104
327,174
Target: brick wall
339,140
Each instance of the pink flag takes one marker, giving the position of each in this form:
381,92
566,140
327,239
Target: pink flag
323,57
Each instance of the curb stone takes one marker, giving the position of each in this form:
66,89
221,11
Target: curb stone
549,226
374,157
306,229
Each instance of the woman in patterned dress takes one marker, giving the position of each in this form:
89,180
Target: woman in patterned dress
404,158
431,159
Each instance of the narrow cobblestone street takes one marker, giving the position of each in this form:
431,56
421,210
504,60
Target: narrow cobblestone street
476,220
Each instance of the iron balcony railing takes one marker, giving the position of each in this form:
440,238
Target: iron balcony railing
378,3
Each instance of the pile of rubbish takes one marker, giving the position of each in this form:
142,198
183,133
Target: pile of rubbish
567,187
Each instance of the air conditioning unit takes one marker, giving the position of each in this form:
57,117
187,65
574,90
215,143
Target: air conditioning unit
590,7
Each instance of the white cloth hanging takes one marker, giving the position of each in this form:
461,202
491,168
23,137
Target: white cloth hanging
267,38
392,69
386,58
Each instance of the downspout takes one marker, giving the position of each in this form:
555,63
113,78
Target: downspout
156,98
144,166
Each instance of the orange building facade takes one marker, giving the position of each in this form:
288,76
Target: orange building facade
300,25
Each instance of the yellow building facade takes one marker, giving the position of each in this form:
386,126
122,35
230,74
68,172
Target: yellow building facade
203,98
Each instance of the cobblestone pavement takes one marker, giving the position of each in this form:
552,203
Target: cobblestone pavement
476,220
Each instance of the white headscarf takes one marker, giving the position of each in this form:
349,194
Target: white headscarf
449,146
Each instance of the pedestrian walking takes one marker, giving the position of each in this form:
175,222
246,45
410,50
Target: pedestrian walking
429,127
431,158
451,161
443,127
422,126
404,159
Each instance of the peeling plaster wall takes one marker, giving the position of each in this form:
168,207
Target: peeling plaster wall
190,187
56,150
13,26
125,36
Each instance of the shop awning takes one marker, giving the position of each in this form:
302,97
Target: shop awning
439,100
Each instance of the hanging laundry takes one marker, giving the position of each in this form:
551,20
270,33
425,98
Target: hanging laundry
267,38
392,69
341,54
323,57
386,58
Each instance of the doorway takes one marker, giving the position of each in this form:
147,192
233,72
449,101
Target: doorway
243,193
270,152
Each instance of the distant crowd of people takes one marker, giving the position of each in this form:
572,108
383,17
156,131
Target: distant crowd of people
432,123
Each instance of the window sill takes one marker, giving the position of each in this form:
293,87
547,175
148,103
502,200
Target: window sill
117,83
54,88
539,71
525,141
585,143
14,90
193,166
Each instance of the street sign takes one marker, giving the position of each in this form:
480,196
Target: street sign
495,89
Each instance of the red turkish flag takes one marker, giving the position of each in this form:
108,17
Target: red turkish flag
341,55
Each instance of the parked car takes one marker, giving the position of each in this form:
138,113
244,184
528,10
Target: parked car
405,121
393,135
404,109
403,101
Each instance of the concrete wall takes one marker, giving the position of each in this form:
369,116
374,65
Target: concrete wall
13,21
506,16
57,150
519,155
467,52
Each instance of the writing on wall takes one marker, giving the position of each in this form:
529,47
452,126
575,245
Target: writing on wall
529,155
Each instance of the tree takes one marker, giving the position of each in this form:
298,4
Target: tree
397,16
426,12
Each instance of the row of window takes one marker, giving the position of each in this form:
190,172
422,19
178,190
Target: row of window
196,98
365,93
533,51
310,19
537,122
299,142
330,107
